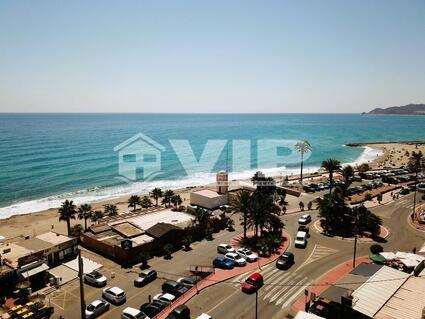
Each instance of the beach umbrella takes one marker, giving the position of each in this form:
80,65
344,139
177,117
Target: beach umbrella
377,258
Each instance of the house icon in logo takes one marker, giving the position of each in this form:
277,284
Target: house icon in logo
139,158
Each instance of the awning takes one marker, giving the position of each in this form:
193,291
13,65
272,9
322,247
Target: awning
377,259
34,271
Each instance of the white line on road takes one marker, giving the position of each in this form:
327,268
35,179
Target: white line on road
294,296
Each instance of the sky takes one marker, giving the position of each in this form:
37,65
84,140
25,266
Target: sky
211,56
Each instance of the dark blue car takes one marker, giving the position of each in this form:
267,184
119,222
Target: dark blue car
223,263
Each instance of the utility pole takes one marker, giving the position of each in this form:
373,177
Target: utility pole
414,195
256,304
355,238
81,276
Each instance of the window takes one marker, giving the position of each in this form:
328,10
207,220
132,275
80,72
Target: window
149,158
129,158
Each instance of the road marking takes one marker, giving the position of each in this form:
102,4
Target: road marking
278,285
221,302
294,296
317,253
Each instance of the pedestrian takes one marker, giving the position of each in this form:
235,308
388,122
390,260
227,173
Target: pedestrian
284,210
397,195
391,193
394,197
414,250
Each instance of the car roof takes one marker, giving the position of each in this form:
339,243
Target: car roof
256,276
131,311
231,254
287,253
147,271
115,290
305,215
96,302
301,233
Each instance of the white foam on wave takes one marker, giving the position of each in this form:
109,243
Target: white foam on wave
368,155
107,193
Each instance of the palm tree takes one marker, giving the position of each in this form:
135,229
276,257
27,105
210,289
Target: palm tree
241,203
156,194
146,202
133,201
110,210
202,219
168,195
331,165
85,212
67,212
302,148
416,163
176,200
347,173
97,216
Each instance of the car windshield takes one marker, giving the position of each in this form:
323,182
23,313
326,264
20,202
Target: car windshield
96,274
250,281
90,307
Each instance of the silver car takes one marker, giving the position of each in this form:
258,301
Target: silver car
96,308
114,294
95,278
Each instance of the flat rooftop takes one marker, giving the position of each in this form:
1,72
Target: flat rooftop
16,251
145,221
54,238
127,229
208,193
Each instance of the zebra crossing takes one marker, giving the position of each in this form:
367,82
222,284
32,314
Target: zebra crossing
318,252
281,287
406,203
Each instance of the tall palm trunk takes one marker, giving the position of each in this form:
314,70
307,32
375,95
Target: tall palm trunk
302,165
330,182
68,225
414,195
245,218
85,223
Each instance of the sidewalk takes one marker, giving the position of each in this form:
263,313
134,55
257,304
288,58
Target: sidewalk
330,278
222,275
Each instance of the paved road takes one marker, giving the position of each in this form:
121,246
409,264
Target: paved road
322,254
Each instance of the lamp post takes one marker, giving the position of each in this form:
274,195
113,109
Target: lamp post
81,277
256,304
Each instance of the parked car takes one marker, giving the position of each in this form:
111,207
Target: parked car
247,254
114,295
253,283
96,308
223,263
166,298
301,239
180,312
204,316
308,189
239,261
285,261
225,248
404,191
95,278
304,219
174,288
145,277
356,179
133,313
187,281
152,309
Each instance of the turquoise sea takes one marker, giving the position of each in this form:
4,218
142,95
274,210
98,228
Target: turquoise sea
46,158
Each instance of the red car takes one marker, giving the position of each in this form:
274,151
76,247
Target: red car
253,283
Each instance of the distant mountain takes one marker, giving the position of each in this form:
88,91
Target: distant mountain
410,109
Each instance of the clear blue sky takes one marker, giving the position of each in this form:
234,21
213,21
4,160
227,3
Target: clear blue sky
210,56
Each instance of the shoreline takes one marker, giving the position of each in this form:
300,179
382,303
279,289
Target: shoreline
30,223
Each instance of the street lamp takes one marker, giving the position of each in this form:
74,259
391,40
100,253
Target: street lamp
355,237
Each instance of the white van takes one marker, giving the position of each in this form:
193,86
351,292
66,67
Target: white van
204,316
301,239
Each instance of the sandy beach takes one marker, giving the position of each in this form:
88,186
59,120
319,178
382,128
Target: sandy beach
394,155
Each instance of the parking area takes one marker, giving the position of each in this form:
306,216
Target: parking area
66,300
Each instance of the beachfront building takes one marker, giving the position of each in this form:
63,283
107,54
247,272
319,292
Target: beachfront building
207,198
29,258
128,239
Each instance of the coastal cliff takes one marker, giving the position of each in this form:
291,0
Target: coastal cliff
410,109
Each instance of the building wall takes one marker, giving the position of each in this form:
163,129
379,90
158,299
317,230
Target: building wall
208,202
